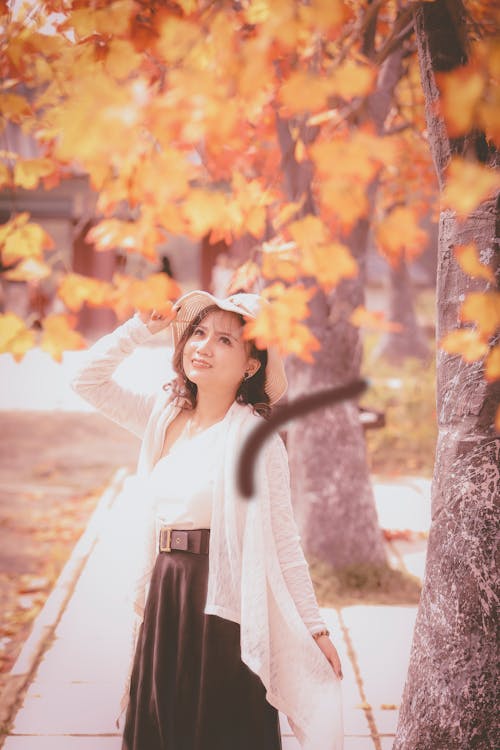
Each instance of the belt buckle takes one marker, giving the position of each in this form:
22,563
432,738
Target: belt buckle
167,547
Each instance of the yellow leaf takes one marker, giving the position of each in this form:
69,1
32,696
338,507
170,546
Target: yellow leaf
351,79
4,175
244,277
14,107
343,200
15,338
468,185
466,342
329,264
468,258
27,172
21,239
461,92
399,233
30,269
280,259
492,364
58,336
177,39
121,58
483,309
304,92
75,289
308,232
286,212
372,319
325,15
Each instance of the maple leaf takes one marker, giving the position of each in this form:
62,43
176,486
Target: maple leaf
461,91
140,236
14,107
373,319
399,233
466,342
30,269
75,289
483,309
58,336
244,277
280,259
308,232
492,364
468,185
343,201
329,263
304,92
468,258
154,292
20,239
15,338
28,172
352,79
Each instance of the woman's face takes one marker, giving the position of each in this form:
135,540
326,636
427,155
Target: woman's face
217,341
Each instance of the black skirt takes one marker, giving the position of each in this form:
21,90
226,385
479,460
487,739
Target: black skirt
189,688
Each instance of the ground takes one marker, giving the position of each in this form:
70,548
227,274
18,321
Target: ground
53,466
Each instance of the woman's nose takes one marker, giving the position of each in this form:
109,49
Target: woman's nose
205,344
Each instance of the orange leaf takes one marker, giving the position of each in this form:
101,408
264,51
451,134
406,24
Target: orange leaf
21,239
75,289
244,277
304,92
58,336
278,323
343,200
497,420
461,92
468,258
373,319
483,309
329,264
399,232
280,259
29,269
492,364
468,185
308,232
466,342
15,338
352,79
14,107
28,172
286,212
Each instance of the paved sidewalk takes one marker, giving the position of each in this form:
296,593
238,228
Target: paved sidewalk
72,699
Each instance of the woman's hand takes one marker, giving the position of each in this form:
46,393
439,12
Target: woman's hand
157,320
331,654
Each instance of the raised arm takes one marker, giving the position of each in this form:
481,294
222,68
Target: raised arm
94,380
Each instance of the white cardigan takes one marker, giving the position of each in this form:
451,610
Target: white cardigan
258,575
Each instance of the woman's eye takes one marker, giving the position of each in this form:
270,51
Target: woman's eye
225,339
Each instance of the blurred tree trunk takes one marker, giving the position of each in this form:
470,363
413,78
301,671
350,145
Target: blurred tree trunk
449,696
396,346
333,497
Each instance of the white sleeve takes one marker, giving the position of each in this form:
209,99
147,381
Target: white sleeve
294,565
94,379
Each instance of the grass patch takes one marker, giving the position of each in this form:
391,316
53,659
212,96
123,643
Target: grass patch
363,584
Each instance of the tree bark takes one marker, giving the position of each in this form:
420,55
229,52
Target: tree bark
449,696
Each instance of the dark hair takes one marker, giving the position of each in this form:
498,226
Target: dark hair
251,390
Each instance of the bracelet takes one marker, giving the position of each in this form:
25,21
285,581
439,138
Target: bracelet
321,632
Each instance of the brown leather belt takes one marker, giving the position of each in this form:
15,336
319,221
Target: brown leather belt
189,540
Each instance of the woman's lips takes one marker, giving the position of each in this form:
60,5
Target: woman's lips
197,363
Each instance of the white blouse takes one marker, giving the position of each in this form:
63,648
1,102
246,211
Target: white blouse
181,482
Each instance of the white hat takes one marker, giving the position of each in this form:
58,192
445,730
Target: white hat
246,304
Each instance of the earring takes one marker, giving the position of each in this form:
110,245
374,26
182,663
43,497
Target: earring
246,375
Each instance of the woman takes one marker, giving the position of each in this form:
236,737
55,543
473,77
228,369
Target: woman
228,630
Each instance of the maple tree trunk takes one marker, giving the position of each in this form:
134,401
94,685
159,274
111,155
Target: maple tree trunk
334,502
333,497
449,696
395,346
